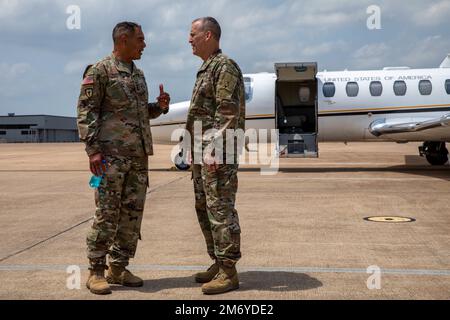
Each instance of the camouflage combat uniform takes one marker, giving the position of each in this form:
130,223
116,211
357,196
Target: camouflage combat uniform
218,101
113,119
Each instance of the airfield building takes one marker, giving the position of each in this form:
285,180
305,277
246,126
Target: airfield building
38,128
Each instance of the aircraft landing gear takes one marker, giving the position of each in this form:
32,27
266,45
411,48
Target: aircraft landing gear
435,152
180,161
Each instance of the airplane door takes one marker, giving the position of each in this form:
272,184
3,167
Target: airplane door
296,109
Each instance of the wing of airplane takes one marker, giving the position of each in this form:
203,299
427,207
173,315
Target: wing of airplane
404,129
383,127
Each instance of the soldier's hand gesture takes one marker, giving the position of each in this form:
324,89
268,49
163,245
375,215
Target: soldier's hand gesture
163,99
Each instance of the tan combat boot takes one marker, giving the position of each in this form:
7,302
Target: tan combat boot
208,275
226,280
122,276
96,282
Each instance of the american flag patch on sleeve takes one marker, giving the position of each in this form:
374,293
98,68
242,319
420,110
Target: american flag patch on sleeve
87,80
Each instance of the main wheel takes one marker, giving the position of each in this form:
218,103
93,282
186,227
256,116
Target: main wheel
435,152
437,160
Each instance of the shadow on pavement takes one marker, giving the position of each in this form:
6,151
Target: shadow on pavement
440,172
249,280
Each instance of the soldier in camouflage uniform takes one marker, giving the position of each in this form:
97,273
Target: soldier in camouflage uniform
113,122
218,101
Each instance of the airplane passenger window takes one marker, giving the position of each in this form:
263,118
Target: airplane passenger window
328,89
400,88
447,86
248,85
425,87
376,88
352,89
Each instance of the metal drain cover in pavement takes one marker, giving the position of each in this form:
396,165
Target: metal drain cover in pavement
390,219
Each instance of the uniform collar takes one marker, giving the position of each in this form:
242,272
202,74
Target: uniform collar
210,59
120,67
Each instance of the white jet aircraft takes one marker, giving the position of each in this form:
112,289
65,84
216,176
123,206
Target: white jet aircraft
394,104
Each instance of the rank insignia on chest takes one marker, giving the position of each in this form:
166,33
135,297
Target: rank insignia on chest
140,86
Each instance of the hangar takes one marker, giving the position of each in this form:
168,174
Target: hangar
38,128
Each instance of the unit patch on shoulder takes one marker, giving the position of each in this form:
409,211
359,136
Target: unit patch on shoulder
88,92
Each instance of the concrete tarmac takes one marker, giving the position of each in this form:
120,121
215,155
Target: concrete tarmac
304,235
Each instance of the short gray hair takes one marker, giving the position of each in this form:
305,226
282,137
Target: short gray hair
210,24
125,27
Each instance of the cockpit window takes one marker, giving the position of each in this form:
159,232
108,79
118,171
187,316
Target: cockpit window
248,84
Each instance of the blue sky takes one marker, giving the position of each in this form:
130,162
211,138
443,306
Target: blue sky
41,60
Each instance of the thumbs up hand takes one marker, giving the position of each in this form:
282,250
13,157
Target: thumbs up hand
163,99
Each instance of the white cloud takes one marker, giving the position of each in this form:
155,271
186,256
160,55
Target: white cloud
430,50
255,33
177,62
323,48
75,66
12,78
419,53
8,71
371,56
10,8
77,61
371,50
324,20
262,66
434,14
326,13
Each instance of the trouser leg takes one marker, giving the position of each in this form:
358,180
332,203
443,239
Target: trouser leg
220,189
200,208
108,202
130,217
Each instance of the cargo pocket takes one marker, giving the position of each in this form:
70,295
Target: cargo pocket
92,237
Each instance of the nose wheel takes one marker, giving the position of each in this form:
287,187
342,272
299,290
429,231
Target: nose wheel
435,152
180,161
